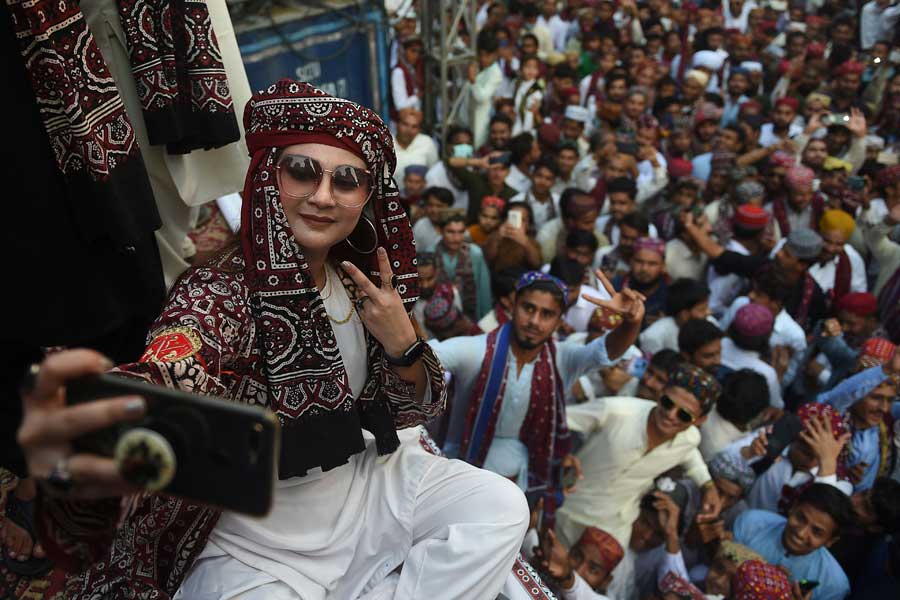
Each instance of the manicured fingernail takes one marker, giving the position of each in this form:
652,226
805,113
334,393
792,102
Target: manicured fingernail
135,406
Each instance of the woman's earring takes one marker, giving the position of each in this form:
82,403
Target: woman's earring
374,236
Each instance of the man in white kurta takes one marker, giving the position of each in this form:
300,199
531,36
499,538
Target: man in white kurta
618,464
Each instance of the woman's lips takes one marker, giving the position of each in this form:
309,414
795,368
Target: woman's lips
316,219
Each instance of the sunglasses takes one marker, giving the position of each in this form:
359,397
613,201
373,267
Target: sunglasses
299,177
684,416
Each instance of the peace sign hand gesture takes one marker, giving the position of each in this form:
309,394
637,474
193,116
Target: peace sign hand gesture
381,308
628,302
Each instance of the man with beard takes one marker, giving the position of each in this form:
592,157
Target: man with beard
514,379
782,126
800,542
803,207
629,442
499,134
738,85
840,269
648,277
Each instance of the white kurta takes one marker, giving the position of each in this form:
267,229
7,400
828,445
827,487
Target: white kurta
724,288
824,273
785,332
738,358
339,534
617,468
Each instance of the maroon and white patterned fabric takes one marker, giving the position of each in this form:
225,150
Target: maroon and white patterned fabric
177,68
249,326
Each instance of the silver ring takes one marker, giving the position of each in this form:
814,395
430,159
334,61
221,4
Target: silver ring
360,301
60,478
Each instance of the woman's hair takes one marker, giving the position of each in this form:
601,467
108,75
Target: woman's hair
695,334
745,394
684,294
752,343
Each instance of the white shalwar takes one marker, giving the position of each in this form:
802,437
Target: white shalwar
455,530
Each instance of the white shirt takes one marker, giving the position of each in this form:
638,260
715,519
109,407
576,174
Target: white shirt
717,433
724,288
487,84
425,234
518,180
825,274
877,24
541,210
767,135
617,468
663,334
579,314
524,116
398,88
785,332
421,151
738,358
463,358
681,261
437,176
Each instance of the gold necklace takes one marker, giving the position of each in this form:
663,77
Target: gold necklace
340,321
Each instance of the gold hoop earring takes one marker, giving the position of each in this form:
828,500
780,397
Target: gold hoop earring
374,235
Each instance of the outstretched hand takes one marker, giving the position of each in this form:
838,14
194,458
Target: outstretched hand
628,303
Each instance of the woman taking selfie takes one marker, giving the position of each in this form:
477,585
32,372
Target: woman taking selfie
307,318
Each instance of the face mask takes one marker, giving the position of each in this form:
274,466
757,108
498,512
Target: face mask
463,151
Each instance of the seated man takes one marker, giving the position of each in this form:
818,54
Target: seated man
628,443
686,299
800,542
513,381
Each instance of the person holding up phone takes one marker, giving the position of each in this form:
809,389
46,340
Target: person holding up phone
308,318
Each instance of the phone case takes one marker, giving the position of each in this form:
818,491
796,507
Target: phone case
224,453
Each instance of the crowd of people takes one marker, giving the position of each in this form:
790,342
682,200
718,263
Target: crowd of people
629,329
734,165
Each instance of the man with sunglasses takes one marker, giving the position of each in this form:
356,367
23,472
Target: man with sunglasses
628,443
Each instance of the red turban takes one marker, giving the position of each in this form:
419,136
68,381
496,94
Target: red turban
879,349
815,409
863,304
610,550
751,217
799,177
680,167
788,101
756,580
653,244
850,66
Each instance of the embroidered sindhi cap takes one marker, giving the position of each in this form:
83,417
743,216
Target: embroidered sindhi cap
700,383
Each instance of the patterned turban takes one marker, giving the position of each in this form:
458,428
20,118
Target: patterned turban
756,580
782,159
652,244
748,190
736,553
722,160
305,384
724,465
698,382
799,177
888,176
815,410
837,220
673,584
440,313
531,277
753,320
875,352
493,202
610,550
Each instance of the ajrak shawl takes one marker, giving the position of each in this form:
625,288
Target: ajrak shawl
251,327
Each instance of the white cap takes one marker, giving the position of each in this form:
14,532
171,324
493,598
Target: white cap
700,76
708,59
778,5
578,113
874,141
752,66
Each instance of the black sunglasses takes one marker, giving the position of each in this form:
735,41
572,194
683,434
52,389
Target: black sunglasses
684,416
299,177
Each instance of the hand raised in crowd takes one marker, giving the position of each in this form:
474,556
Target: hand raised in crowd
554,559
628,303
759,445
814,124
49,426
381,309
668,513
516,234
857,123
827,447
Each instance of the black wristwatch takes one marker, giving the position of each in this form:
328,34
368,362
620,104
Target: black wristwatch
409,356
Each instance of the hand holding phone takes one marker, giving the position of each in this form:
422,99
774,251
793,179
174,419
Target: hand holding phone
514,218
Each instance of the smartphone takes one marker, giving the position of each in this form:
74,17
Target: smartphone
807,585
514,218
784,431
569,478
202,448
835,119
